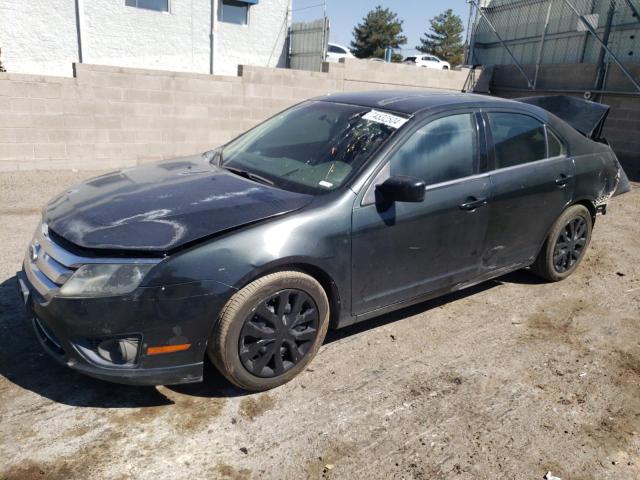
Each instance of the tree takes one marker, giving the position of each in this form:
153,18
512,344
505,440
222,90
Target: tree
379,29
445,38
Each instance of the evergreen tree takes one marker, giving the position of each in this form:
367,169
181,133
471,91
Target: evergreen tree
445,38
379,29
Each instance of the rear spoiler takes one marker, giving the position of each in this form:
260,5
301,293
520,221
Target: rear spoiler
585,116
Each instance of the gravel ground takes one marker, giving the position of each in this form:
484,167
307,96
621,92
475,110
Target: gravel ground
509,379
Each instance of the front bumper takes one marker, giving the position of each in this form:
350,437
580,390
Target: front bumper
71,329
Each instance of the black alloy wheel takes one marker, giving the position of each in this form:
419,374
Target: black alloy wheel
278,333
570,244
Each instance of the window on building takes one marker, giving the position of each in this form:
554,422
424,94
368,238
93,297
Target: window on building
157,5
517,139
233,11
440,151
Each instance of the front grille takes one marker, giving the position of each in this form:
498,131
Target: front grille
47,265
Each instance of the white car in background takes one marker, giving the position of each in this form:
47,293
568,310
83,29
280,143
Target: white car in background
428,61
335,52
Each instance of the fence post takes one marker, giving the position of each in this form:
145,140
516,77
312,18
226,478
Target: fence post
542,38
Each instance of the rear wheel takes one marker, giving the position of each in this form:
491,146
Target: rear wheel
565,247
270,330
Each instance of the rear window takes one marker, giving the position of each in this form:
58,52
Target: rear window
517,139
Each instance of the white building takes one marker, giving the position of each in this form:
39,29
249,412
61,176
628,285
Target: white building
206,36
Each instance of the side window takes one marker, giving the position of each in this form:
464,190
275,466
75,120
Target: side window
440,151
517,139
555,145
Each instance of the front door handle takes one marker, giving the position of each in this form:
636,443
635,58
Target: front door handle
562,180
472,203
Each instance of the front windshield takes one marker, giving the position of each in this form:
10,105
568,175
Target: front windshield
311,148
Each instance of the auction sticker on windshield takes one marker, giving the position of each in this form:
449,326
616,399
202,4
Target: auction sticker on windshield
387,119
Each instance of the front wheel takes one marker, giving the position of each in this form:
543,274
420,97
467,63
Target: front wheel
564,249
270,330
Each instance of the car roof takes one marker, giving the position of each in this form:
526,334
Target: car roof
410,102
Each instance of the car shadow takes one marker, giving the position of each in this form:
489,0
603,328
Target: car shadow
523,277
25,364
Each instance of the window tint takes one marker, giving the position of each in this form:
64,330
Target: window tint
440,151
555,145
336,49
159,5
517,138
232,11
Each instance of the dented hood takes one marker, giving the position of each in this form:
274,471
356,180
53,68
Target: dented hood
160,207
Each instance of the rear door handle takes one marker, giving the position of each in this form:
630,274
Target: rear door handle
562,180
472,203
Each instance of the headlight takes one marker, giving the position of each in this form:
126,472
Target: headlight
104,280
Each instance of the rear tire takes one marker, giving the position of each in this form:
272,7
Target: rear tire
565,246
283,316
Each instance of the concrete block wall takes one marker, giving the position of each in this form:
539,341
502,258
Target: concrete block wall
111,117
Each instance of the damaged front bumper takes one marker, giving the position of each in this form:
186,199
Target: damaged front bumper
124,339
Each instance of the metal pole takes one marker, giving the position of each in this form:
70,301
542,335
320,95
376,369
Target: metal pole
468,57
593,32
544,34
605,39
212,44
80,28
529,84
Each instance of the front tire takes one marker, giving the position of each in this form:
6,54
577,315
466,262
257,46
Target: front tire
566,244
270,330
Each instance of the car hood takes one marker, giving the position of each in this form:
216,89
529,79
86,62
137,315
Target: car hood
160,207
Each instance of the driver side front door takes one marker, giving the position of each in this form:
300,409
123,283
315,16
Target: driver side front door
405,250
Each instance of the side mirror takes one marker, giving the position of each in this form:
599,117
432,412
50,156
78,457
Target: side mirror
401,189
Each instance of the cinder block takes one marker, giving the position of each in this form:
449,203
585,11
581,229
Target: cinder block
15,120
107,121
16,151
78,121
44,90
50,150
10,88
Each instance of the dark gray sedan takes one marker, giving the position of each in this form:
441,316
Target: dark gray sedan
334,211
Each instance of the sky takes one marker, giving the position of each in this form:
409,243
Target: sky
346,14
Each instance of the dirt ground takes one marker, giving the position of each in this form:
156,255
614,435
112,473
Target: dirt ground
510,379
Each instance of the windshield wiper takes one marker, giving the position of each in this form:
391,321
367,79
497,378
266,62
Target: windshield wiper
250,175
